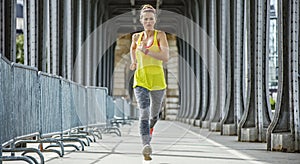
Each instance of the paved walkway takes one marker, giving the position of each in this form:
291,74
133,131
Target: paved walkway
174,143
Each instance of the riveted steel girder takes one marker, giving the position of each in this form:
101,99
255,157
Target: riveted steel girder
284,130
257,115
233,108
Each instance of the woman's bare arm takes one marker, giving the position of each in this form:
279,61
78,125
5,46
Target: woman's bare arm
132,51
163,54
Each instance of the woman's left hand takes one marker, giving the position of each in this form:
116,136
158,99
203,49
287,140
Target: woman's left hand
133,66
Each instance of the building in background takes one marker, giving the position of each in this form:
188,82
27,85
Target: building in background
20,18
273,50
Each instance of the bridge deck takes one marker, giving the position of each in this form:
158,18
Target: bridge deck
174,143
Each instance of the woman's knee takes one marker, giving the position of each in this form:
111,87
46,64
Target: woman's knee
144,114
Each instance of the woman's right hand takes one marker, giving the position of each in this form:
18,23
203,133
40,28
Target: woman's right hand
142,47
133,66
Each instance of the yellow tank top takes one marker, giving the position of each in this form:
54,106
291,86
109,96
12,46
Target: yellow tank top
149,72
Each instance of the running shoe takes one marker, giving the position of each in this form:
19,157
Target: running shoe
147,151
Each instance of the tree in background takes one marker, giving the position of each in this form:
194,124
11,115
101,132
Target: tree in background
272,103
20,49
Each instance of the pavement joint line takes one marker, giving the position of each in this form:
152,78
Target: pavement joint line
166,148
230,150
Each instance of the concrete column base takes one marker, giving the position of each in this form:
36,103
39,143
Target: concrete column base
215,126
197,123
186,120
192,121
249,135
282,142
205,124
229,130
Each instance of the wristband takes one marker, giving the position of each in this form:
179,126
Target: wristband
146,52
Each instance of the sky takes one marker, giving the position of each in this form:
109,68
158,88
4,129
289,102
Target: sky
20,1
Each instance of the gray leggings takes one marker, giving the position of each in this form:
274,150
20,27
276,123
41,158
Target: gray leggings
148,100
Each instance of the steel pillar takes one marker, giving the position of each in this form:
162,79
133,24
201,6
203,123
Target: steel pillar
284,130
214,70
203,44
257,115
7,29
197,114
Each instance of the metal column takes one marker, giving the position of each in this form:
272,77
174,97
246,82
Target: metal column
95,42
8,30
234,104
204,67
87,44
189,72
215,69
256,117
284,130
68,37
223,44
54,34
2,27
238,61
78,70
212,67
198,65
30,33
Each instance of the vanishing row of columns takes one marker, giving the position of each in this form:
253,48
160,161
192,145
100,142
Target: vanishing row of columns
232,74
54,35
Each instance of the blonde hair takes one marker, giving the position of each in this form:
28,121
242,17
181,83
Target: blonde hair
147,8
